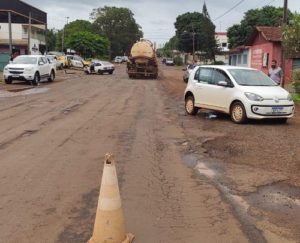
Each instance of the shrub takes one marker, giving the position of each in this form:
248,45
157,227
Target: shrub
296,80
178,61
218,63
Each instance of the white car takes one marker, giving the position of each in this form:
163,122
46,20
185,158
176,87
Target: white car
30,68
99,67
118,59
58,63
169,62
241,92
187,72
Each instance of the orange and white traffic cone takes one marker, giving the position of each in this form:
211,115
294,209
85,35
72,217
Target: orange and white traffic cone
109,224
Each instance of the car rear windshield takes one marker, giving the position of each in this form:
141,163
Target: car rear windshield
25,60
248,77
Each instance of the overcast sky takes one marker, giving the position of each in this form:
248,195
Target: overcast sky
156,17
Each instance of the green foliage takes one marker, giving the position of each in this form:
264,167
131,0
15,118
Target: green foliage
291,39
178,61
51,39
218,63
119,26
88,44
196,24
266,16
296,80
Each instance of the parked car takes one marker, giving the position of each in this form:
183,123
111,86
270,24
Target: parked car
61,57
53,59
99,67
118,59
169,62
187,72
30,68
241,92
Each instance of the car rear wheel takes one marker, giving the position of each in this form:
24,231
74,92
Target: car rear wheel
190,106
100,72
238,113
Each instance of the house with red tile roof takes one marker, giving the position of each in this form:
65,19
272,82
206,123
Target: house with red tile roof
266,45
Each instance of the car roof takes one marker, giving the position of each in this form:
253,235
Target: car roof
226,67
31,56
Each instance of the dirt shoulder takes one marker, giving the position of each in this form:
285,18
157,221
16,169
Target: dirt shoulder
254,166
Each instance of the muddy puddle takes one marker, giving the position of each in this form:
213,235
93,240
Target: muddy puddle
22,92
271,213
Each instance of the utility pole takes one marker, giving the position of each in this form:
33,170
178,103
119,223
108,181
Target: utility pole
29,34
193,34
10,33
63,36
284,23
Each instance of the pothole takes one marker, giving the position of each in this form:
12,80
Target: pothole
268,214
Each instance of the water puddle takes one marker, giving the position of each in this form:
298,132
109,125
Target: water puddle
22,92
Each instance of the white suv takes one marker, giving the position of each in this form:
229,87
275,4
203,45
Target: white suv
241,92
30,68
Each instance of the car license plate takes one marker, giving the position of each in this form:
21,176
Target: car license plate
277,109
15,76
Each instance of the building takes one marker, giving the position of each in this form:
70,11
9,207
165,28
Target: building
240,56
266,45
22,29
222,43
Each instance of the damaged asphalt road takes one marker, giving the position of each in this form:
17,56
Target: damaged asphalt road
181,178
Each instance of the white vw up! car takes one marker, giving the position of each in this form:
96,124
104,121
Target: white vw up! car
241,92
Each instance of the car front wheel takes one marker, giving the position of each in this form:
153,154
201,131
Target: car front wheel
190,106
52,76
36,79
238,113
8,81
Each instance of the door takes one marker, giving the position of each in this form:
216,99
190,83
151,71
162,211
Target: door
203,79
221,98
42,67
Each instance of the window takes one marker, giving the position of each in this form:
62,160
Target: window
245,59
239,59
219,75
44,60
205,75
224,44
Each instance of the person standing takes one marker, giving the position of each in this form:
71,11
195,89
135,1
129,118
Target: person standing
275,72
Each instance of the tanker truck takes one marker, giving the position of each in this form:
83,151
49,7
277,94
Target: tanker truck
142,61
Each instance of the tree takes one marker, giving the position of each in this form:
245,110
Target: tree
119,26
291,38
204,11
266,16
196,24
89,44
51,39
71,28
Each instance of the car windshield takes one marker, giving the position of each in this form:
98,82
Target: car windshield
106,63
249,77
25,60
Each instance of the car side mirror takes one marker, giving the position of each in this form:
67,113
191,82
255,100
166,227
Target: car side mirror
222,83
41,63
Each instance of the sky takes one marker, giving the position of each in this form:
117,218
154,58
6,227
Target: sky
156,17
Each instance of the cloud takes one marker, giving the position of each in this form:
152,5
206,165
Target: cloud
156,17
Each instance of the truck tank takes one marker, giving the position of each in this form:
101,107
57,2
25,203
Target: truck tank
142,60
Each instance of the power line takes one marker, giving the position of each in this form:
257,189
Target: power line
229,10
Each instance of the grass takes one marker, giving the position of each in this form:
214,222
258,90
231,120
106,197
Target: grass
296,98
1,77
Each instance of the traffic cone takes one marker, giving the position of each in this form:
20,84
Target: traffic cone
109,224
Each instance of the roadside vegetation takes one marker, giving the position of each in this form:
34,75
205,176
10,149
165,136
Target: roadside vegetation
110,32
